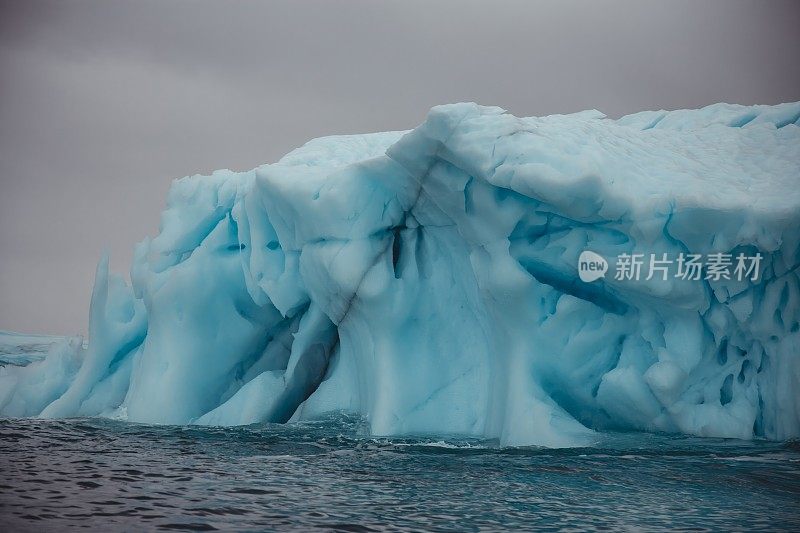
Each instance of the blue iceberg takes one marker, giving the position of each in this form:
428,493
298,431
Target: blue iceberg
432,282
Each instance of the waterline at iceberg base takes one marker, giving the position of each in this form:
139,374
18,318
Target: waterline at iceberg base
427,281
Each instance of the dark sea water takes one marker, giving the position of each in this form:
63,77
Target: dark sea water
105,475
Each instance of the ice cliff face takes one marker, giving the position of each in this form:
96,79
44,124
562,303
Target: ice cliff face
428,280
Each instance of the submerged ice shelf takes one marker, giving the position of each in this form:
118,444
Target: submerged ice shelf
428,281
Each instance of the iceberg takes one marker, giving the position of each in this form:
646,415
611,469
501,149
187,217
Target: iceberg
430,281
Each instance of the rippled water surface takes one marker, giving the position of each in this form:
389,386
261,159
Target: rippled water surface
111,475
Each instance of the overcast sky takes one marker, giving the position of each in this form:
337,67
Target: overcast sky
103,103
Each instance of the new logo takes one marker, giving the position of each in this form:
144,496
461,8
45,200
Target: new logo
591,266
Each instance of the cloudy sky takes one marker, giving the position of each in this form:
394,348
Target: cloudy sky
103,103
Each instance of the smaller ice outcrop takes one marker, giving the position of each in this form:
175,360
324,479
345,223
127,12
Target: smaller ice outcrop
35,370
20,349
430,282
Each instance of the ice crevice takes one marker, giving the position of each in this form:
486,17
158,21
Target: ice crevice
428,281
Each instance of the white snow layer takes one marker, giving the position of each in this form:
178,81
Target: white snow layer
427,280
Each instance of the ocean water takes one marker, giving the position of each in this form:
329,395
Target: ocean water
106,475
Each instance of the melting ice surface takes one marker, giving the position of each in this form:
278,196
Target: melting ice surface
427,282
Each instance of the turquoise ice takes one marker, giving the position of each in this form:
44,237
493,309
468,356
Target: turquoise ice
428,281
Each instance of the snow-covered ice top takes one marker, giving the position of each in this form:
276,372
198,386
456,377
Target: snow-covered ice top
428,281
